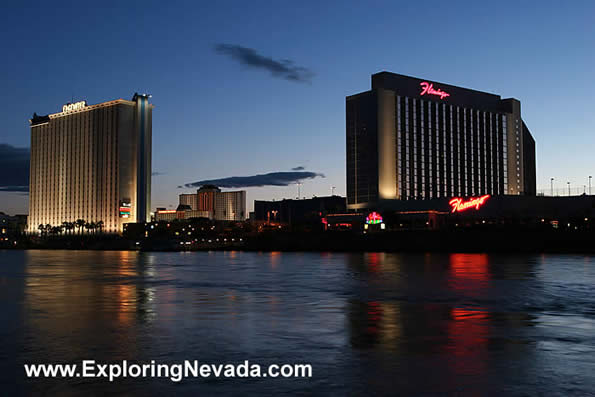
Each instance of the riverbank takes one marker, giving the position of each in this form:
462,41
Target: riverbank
464,240
550,241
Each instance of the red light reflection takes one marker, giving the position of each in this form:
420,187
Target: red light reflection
467,333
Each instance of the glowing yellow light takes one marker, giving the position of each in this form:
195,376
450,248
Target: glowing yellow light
71,107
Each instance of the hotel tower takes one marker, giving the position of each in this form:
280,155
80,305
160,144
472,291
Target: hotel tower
415,139
92,162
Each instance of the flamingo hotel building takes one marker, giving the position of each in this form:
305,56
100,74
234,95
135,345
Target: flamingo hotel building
417,139
92,162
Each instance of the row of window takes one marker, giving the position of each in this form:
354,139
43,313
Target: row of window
61,159
466,150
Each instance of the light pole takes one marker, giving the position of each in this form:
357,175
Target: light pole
332,190
552,185
590,177
568,188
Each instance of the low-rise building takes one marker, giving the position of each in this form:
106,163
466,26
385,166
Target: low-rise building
182,212
297,211
12,225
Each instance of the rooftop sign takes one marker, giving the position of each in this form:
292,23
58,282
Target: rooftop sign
71,107
428,89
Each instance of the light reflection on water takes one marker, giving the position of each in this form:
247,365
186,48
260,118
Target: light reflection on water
368,323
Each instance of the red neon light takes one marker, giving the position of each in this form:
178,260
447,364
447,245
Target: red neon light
428,88
459,205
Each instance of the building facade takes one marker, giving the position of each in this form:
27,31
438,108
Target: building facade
92,163
230,206
182,212
206,198
221,206
11,226
291,211
414,139
189,199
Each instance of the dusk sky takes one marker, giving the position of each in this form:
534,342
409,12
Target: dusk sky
249,88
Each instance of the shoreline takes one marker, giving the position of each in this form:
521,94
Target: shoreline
468,240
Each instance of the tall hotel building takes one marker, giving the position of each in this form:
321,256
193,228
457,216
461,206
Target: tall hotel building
92,163
415,139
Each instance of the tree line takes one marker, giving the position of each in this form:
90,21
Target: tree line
69,228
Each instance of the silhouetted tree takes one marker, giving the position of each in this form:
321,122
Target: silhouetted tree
80,223
64,226
90,226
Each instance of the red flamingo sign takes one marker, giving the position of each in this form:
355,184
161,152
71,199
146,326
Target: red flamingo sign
428,89
458,205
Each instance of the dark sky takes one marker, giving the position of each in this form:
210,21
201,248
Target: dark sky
253,88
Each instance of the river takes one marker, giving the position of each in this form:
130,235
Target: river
369,323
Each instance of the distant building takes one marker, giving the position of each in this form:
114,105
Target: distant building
92,163
206,198
230,206
297,211
190,199
183,211
12,225
414,139
221,206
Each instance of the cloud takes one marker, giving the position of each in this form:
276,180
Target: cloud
270,179
20,190
284,68
14,168
299,168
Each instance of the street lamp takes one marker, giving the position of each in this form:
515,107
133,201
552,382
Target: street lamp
552,185
590,177
568,188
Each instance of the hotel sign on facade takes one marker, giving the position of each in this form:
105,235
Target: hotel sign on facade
428,89
71,107
459,205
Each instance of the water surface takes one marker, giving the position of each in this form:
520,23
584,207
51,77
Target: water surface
374,323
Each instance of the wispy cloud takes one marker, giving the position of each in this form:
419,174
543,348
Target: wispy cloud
283,68
15,189
14,168
270,179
